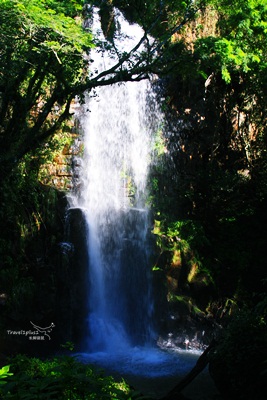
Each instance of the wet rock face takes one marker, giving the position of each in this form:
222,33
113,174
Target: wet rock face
188,333
72,278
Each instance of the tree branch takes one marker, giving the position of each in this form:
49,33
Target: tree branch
201,364
26,132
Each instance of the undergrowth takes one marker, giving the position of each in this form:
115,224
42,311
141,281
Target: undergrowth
59,378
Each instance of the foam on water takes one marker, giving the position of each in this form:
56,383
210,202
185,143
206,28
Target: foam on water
144,361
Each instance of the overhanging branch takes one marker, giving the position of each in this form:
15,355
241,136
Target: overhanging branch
134,66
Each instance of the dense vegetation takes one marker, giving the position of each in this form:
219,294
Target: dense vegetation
216,147
59,378
208,184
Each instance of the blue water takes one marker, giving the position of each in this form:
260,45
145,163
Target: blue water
155,372
144,361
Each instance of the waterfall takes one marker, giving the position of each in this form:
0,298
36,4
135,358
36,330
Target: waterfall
118,123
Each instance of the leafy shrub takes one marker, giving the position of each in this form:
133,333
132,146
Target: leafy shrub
4,373
60,378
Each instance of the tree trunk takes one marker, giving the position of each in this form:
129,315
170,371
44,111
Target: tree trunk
202,362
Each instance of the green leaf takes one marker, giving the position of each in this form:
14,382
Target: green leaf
225,74
4,373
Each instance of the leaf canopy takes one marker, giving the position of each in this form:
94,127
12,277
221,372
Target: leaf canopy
241,43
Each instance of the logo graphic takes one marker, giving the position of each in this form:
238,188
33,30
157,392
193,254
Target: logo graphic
38,333
44,330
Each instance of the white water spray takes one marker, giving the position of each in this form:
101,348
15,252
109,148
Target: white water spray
117,128
118,125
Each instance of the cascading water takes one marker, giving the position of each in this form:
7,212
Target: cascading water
117,140
118,122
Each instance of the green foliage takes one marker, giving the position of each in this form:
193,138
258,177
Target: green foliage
43,47
61,378
68,346
71,8
4,373
214,170
35,32
188,233
56,17
30,227
239,46
42,59
159,144
182,242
